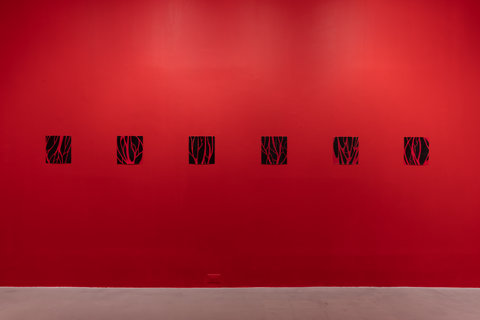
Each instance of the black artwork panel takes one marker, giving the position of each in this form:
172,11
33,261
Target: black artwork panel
274,150
129,149
416,151
58,149
345,150
201,150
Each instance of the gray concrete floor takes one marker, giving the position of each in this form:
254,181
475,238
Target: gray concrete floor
239,303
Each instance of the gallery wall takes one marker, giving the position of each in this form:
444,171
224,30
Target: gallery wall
239,70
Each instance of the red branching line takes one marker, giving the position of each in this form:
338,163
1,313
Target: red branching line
208,153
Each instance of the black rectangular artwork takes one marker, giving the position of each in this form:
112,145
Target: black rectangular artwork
58,149
345,150
416,151
129,149
274,150
201,150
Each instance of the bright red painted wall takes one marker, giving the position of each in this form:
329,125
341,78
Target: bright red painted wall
377,69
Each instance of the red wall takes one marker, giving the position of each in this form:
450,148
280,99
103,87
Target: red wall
377,69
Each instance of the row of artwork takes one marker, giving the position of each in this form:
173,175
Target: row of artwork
201,150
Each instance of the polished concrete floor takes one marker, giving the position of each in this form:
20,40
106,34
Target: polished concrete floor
239,303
